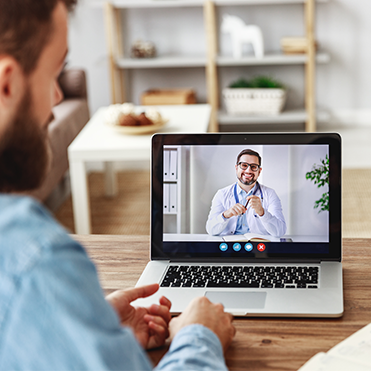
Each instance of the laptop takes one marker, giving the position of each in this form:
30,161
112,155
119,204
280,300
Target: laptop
281,256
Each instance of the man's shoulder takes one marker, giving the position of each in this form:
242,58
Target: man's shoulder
28,233
269,192
11,205
266,188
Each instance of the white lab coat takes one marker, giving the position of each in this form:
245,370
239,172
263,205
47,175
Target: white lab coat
272,222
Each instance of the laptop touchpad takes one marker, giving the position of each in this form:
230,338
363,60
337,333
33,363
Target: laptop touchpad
238,300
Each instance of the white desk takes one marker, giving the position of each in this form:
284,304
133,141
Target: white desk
99,142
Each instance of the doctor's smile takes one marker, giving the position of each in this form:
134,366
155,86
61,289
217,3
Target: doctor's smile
249,179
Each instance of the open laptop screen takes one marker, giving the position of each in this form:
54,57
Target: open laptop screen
286,188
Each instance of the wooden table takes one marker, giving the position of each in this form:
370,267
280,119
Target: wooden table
260,343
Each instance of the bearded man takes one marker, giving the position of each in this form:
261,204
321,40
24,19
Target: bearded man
246,206
53,315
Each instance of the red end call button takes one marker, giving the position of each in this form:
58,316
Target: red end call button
261,247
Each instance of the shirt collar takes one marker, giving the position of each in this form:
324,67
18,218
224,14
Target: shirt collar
240,191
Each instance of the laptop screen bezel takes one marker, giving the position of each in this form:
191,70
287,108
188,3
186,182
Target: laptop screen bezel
333,140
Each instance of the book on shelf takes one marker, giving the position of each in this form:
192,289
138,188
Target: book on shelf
353,353
247,237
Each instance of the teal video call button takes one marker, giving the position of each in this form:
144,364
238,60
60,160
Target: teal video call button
236,247
248,246
223,246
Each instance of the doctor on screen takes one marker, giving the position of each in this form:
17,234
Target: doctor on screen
246,206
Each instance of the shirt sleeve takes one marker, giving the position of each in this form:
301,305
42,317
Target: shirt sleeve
54,315
60,319
195,347
273,219
216,223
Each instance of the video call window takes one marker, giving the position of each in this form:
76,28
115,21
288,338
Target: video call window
200,180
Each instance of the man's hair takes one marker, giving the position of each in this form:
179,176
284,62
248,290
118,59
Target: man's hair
25,29
249,152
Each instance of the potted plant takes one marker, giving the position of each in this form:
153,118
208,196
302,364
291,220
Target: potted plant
261,95
321,177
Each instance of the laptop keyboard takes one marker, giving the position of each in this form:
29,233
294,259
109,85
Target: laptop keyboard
288,277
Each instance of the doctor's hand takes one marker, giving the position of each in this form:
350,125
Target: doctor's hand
235,210
256,204
150,325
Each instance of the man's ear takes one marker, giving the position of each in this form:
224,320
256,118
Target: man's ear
12,83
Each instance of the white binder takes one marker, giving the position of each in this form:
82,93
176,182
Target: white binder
166,198
173,165
173,197
166,164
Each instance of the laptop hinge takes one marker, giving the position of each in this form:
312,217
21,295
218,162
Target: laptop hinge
238,261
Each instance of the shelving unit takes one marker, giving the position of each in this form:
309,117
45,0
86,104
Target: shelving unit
174,213
212,61
119,63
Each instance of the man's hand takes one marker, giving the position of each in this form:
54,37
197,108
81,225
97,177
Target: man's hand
235,210
256,204
202,311
150,325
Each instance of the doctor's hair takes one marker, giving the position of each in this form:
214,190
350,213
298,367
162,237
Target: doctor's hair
249,152
25,29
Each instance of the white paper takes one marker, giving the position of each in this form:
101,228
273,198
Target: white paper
327,362
352,354
247,237
356,347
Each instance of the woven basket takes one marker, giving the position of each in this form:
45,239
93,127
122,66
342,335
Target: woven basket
254,101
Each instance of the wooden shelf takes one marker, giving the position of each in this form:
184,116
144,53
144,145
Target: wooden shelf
271,59
162,62
126,4
261,2
196,61
286,117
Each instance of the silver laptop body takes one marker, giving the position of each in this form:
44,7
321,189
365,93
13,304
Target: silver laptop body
295,274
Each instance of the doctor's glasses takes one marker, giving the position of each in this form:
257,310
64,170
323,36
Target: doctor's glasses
245,166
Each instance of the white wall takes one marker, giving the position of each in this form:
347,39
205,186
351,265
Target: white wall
305,219
283,169
343,29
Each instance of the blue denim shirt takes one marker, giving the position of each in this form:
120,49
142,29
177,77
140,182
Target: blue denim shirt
53,314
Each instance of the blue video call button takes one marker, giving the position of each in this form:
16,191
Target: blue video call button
236,247
223,246
248,246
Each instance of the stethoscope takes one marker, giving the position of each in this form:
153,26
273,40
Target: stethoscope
257,188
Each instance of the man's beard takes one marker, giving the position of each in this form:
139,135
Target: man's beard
24,151
247,182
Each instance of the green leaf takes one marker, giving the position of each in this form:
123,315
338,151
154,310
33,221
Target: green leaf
258,82
320,176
